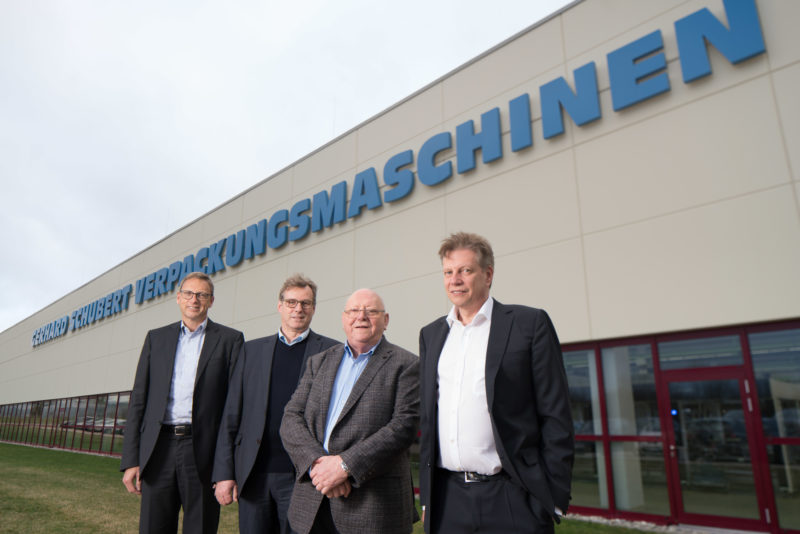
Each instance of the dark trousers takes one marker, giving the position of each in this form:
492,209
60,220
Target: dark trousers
264,504
323,522
496,506
172,482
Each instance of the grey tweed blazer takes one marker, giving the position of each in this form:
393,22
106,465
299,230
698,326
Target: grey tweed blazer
377,426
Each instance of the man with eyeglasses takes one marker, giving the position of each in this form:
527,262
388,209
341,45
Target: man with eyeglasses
251,466
174,414
348,428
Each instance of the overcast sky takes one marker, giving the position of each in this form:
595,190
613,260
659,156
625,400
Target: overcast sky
121,122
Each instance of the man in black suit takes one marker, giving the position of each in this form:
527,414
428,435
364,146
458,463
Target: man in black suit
174,414
251,465
497,441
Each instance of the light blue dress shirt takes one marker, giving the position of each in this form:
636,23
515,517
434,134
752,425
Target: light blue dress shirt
296,340
181,390
349,370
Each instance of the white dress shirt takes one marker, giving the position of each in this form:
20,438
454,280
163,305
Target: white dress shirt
466,442
181,390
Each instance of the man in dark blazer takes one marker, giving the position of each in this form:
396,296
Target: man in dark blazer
174,413
251,466
348,428
497,442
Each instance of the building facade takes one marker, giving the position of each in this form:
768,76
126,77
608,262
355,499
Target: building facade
636,166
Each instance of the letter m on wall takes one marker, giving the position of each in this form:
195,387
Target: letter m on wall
741,40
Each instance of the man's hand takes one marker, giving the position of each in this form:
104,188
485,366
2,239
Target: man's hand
327,474
226,492
131,480
342,490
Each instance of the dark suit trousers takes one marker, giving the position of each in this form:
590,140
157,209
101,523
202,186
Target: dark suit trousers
264,504
172,481
497,506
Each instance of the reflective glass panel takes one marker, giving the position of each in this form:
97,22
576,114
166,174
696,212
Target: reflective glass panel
716,473
705,352
776,362
640,477
630,389
583,391
589,475
784,466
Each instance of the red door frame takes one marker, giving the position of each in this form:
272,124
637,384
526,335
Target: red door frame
752,426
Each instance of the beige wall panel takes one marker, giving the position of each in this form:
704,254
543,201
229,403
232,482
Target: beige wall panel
334,159
401,123
779,26
539,51
399,248
551,278
262,200
682,159
224,308
257,290
328,317
411,305
329,264
787,87
119,372
590,25
726,263
223,218
526,207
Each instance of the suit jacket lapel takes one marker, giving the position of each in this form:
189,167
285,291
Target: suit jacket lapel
498,338
328,370
263,369
168,361
209,344
376,361
314,346
434,350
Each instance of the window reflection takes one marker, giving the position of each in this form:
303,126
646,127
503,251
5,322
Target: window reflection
776,362
640,481
705,352
584,396
630,389
589,475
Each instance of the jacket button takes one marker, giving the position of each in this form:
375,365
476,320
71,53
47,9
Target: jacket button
258,441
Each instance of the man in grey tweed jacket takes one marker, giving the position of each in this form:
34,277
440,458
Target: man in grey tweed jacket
348,428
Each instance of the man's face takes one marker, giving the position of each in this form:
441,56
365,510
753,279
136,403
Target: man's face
364,319
467,285
195,309
296,319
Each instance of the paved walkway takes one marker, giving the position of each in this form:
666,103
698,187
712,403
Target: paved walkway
651,527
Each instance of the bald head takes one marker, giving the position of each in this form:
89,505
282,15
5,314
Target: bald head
364,320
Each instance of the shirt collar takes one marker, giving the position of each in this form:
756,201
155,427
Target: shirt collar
484,314
349,352
296,340
199,330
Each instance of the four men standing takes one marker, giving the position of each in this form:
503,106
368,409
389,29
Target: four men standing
496,447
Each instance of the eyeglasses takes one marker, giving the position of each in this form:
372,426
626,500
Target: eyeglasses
188,295
355,312
292,303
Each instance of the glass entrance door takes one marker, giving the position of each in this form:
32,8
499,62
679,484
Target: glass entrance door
709,448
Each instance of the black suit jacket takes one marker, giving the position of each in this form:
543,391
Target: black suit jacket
528,398
244,418
221,348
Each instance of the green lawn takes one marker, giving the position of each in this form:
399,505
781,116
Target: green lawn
52,492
